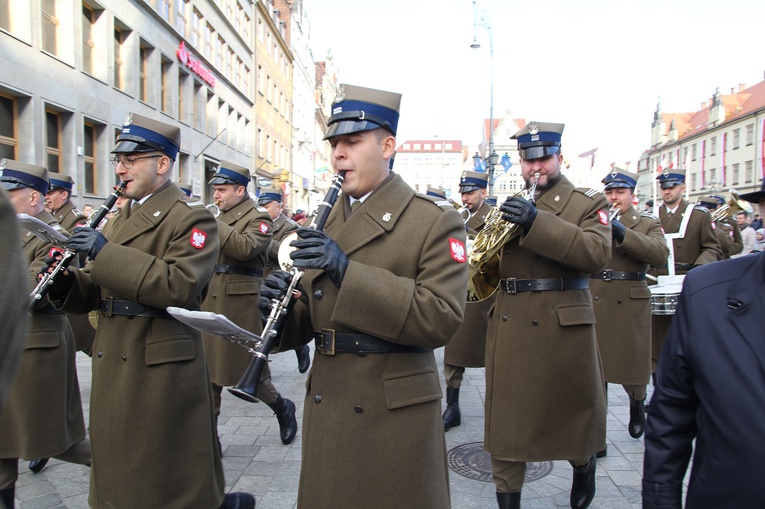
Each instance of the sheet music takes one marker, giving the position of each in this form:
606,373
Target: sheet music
216,325
42,230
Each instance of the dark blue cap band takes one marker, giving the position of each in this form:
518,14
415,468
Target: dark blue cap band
153,139
60,184
237,178
540,138
354,111
617,180
264,198
20,177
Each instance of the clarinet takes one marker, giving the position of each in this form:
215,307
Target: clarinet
247,386
49,277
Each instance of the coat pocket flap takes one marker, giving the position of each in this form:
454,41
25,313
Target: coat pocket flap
170,350
46,338
640,292
575,315
242,288
411,390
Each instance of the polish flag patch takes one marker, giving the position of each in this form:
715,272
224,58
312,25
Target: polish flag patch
603,217
457,250
54,251
263,227
198,238
714,226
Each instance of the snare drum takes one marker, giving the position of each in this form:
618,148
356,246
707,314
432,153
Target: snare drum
666,294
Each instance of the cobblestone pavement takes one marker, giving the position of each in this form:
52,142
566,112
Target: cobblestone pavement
256,461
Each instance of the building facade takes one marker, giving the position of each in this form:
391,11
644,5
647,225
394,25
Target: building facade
432,163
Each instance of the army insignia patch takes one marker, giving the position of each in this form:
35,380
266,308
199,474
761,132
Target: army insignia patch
386,217
157,213
263,227
457,250
54,252
603,217
198,238
714,226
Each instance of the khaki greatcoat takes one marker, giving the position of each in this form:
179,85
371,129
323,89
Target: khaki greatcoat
699,246
244,232
467,348
152,430
372,428
544,381
623,308
43,413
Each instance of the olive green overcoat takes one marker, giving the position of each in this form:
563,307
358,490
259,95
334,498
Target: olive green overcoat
623,308
544,380
372,429
43,413
244,232
152,428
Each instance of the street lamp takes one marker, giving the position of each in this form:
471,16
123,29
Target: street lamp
482,19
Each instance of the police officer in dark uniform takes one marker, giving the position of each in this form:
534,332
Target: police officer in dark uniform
245,232
544,380
271,200
467,347
42,416
621,297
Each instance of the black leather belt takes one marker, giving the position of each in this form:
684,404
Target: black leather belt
330,342
222,268
611,275
112,307
48,309
512,285
678,266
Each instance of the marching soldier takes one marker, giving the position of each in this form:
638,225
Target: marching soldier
467,347
385,286
544,381
698,246
151,408
42,416
621,297
245,232
728,233
271,200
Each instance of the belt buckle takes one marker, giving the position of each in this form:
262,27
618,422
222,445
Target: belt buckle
323,349
510,285
608,275
109,306
222,268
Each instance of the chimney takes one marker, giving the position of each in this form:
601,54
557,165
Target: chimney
741,86
732,90
703,105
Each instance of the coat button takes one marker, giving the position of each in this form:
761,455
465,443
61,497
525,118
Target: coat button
358,409
317,398
100,354
534,322
596,298
124,358
319,294
619,301
504,318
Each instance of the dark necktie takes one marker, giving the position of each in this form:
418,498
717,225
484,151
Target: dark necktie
355,206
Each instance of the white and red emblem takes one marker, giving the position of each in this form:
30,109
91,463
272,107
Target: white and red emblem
603,217
263,227
55,251
198,238
714,226
457,250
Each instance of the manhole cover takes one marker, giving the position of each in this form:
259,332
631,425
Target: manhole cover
471,461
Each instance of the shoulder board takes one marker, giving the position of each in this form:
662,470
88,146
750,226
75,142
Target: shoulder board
77,212
648,214
588,192
57,227
444,204
292,222
261,209
194,204
701,208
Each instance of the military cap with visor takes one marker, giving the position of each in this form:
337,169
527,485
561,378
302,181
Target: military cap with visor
755,196
356,109
60,181
539,139
712,202
619,178
142,134
18,175
186,187
472,180
230,173
269,194
670,178
436,192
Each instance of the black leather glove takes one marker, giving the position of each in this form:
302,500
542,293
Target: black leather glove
59,288
618,230
519,211
87,240
274,287
315,250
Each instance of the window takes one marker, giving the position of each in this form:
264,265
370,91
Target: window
8,139
685,157
183,108
180,16
712,175
207,49
749,134
164,9
736,138
50,23
119,40
749,165
164,101
143,73
211,114
5,15
735,175
219,45
89,152
693,182
88,44
199,105
693,152
246,29
230,60
713,146
196,28
53,141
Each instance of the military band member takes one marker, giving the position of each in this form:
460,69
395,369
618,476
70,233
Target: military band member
386,286
621,297
271,200
151,409
437,193
467,347
728,233
42,416
245,232
544,381
698,246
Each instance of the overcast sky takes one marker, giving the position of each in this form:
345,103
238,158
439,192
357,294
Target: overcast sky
599,66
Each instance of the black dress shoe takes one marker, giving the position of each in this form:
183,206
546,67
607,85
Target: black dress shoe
452,416
636,426
603,453
238,500
304,358
509,500
36,466
285,415
583,486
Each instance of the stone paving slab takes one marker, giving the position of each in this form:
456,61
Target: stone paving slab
256,461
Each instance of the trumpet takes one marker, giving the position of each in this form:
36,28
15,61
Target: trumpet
48,278
733,206
213,207
613,211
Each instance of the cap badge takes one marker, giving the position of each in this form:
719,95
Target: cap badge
614,175
533,128
129,119
2,163
340,97
386,217
666,171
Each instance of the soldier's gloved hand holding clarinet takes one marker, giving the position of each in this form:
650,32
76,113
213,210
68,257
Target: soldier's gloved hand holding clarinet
618,230
519,211
315,250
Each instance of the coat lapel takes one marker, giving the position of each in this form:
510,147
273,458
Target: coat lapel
149,215
555,199
630,218
746,300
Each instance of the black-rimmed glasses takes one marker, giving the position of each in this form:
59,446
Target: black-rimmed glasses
129,161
